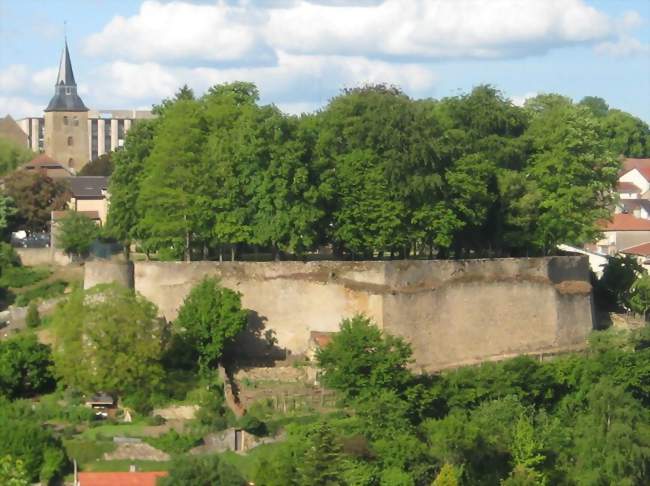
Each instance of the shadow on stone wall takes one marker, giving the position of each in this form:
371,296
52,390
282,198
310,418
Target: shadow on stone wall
256,345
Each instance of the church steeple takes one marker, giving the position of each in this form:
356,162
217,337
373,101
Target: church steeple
65,91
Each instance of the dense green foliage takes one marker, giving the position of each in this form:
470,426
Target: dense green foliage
24,367
210,318
12,472
201,471
26,440
12,155
361,359
174,443
110,339
373,174
45,290
35,196
7,213
33,318
576,419
75,233
101,166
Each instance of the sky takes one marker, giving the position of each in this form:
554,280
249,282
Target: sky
301,53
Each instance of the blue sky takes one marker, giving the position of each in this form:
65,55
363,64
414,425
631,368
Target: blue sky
130,54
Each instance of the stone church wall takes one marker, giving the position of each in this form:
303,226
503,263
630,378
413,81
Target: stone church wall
452,312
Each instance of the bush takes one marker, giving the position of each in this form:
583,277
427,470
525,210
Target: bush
201,471
174,443
76,233
44,291
253,425
18,277
8,257
24,367
33,318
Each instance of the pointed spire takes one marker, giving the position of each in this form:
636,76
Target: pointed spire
66,76
65,90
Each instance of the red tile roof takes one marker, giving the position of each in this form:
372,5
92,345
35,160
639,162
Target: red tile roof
43,160
623,186
626,222
642,165
643,250
120,478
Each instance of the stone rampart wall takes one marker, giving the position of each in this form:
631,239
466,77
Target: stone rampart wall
452,312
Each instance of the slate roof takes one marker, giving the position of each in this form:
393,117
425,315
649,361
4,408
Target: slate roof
120,478
65,90
87,186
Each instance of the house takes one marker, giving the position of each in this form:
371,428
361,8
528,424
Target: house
46,165
641,252
132,478
634,179
622,232
89,194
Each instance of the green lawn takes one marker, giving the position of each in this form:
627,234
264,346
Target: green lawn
86,451
123,465
111,430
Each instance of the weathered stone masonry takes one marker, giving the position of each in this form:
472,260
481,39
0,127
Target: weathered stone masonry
452,312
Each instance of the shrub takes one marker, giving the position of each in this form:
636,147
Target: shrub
33,318
201,471
18,277
24,367
76,233
174,443
211,316
44,291
8,256
252,424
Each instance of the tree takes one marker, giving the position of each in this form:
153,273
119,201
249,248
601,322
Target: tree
125,182
619,275
12,472
33,318
627,135
361,358
612,439
101,166
639,295
211,316
108,338
35,196
574,172
12,155
201,471
448,476
26,440
175,211
24,367
76,233
7,212
597,106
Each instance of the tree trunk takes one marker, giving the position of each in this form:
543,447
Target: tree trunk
232,252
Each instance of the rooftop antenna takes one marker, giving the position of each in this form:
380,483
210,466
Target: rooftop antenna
65,31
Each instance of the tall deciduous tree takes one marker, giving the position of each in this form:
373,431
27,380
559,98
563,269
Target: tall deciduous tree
108,338
75,233
124,188
174,209
36,196
211,316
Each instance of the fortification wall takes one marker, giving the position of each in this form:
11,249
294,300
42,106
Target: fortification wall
452,312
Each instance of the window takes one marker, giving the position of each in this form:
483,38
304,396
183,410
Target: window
75,121
70,163
65,120
69,141
68,91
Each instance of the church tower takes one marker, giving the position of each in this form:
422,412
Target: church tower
66,120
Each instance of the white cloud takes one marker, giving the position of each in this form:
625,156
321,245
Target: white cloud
13,78
520,100
625,46
294,82
182,31
417,29
18,107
